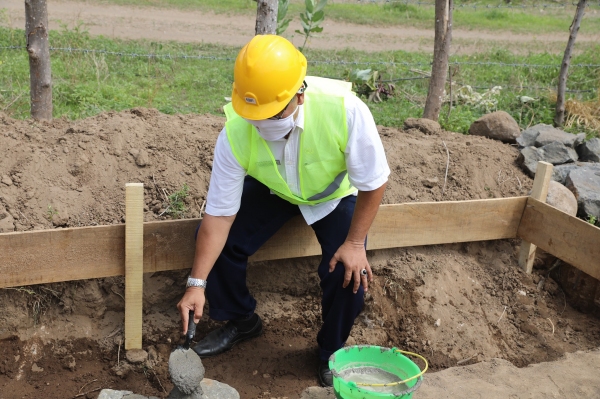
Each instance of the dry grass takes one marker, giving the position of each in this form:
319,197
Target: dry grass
584,114
581,114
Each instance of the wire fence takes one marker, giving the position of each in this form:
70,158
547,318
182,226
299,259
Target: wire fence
329,62
137,68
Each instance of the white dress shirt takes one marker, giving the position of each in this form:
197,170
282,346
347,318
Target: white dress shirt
365,160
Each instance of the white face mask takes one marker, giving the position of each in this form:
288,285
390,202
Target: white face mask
271,129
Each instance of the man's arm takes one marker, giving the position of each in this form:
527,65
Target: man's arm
352,253
211,239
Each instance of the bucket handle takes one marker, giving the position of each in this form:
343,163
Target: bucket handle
391,384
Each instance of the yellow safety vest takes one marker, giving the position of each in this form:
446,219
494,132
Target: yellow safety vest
322,163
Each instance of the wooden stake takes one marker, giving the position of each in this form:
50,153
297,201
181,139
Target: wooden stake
541,182
134,264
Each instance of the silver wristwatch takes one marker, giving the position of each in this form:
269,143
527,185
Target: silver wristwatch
195,282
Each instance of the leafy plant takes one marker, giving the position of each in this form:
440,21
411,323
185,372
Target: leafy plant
368,83
282,21
592,219
176,202
50,212
311,19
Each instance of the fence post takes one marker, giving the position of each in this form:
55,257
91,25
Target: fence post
134,264
541,182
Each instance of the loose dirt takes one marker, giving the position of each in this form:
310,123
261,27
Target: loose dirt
455,304
166,24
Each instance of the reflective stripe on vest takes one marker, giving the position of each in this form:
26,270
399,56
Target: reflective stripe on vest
322,164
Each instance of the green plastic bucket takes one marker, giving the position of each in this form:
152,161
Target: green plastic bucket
373,372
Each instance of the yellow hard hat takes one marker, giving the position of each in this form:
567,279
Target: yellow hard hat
268,72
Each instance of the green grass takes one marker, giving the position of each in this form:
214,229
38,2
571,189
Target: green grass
528,20
86,84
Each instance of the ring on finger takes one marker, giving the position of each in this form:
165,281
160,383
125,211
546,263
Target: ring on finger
363,272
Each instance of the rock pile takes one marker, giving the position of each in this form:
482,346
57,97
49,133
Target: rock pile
187,376
576,162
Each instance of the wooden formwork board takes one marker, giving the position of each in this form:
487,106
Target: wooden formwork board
566,237
38,257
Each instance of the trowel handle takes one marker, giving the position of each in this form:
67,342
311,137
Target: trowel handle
191,330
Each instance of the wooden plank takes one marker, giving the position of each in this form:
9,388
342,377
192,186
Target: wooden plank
432,223
93,252
49,256
405,225
541,183
169,245
564,236
134,264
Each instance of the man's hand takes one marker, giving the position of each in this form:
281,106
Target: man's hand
354,257
193,299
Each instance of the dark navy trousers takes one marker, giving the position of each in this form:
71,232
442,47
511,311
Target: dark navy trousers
260,216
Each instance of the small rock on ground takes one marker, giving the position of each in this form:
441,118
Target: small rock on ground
211,390
113,394
498,125
6,180
561,198
135,356
424,125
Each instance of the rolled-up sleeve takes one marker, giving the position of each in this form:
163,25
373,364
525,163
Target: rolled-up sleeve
226,181
365,157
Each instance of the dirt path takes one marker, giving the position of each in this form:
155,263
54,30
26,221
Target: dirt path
195,26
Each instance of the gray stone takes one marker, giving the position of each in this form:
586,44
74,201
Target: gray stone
561,198
590,150
318,393
557,153
498,125
554,153
528,136
425,125
560,172
553,135
177,394
135,356
584,182
217,390
186,371
528,159
211,390
113,394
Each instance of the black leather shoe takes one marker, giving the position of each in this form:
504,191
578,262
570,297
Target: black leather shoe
224,338
325,375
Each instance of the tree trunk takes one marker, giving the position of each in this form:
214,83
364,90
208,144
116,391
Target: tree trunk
559,117
40,77
441,50
266,17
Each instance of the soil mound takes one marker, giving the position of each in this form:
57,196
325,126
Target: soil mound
456,304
